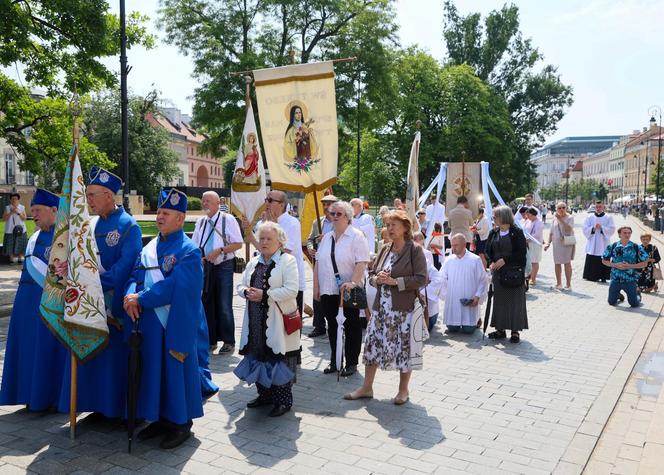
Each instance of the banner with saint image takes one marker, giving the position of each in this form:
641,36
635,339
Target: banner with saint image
248,189
298,120
464,178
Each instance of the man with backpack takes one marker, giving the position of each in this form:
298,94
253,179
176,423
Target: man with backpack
625,258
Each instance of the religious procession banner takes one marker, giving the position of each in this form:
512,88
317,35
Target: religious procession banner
464,178
248,189
72,306
298,119
413,184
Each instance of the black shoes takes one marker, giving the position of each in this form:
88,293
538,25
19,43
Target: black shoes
175,438
330,369
498,335
348,371
316,332
153,430
258,402
278,410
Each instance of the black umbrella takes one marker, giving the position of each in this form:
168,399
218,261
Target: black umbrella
487,312
134,379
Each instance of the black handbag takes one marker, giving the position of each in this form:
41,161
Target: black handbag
357,296
240,265
511,277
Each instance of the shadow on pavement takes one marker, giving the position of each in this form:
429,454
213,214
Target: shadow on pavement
407,423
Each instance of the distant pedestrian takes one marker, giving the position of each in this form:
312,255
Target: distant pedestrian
437,245
624,211
535,229
16,235
625,258
506,252
223,207
562,238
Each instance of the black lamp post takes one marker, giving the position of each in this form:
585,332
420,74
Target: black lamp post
645,173
567,179
656,110
638,176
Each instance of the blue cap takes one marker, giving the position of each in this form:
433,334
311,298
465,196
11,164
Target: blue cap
171,198
102,177
45,198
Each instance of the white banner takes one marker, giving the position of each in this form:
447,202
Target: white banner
248,189
413,185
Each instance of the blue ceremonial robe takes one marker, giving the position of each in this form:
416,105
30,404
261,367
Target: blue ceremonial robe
170,390
102,381
34,358
208,387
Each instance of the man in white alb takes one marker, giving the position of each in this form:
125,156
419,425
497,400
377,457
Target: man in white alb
435,212
598,229
365,223
464,284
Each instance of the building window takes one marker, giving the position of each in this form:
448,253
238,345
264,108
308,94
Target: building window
29,179
181,179
192,167
10,170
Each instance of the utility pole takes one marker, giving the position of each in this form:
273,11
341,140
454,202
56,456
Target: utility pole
359,132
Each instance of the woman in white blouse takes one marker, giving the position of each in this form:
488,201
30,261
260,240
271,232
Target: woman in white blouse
16,236
347,247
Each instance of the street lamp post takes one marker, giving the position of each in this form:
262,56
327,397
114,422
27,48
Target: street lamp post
638,176
645,173
567,179
656,110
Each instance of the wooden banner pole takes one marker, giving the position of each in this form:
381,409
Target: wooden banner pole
72,398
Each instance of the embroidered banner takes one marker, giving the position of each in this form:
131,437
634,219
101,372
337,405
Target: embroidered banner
463,178
413,183
298,119
72,306
248,189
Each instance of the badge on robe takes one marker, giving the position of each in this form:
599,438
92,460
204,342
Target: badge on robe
169,262
112,238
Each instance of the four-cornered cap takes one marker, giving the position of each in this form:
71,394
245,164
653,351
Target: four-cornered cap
102,177
329,199
171,198
45,198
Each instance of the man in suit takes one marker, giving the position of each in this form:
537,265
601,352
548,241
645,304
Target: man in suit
460,220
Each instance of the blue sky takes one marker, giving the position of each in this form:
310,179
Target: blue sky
610,51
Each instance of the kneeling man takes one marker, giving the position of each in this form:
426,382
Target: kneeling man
464,285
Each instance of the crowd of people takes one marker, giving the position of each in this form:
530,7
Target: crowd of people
377,287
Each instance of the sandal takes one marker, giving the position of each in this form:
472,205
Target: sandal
515,338
354,396
400,401
498,335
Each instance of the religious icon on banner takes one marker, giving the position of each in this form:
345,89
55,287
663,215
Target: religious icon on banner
300,144
246,178
461,186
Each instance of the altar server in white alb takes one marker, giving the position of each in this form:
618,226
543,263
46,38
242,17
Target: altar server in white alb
464,285
365,223
598,229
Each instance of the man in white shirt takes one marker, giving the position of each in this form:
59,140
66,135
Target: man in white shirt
598,229
365,223
218,236
276,205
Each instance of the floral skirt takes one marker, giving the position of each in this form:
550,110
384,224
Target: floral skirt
387,341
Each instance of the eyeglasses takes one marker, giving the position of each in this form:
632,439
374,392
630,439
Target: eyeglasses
337,214
271,200
561,207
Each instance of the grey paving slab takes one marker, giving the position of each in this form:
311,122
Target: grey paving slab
478,406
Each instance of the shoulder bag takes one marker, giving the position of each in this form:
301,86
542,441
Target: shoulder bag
511,276
292,320
239,264
357,296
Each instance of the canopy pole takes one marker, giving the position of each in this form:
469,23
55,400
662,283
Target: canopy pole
339,60
247,103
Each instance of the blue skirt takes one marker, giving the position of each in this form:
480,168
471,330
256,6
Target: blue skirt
265,373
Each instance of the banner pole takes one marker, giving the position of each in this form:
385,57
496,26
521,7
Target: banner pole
72,398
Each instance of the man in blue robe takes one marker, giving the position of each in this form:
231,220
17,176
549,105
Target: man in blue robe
164,294
102,381
34,358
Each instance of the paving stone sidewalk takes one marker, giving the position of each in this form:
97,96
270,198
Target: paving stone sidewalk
633,439
477,406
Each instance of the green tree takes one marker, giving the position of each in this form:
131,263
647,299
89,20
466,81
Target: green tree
60,45
151,162
536,97
224,36
40,131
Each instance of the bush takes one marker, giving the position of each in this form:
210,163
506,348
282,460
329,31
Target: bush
194,203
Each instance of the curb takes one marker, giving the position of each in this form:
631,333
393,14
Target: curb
6,310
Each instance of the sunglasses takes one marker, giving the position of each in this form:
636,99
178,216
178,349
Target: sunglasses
337,214
561,207
272,200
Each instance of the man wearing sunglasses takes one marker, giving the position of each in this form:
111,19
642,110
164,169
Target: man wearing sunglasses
626,259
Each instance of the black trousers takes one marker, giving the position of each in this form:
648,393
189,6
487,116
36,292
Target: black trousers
300,301
352,329
319,318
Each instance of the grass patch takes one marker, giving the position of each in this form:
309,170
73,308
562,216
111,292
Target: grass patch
149,228
29,223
